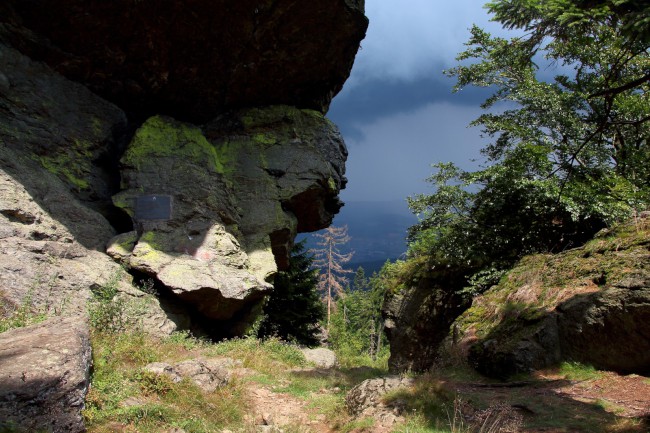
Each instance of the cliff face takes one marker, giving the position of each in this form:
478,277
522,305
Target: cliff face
185,139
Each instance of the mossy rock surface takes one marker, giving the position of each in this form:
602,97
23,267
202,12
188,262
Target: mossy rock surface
239,189
590,304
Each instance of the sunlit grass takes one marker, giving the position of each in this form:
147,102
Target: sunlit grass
578,371
121,392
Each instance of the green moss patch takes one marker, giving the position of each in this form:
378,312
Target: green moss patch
160,136
72,164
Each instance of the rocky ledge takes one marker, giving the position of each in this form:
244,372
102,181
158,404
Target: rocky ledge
590,305
91,138
193,59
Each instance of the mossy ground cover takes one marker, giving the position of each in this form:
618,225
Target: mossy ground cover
123,394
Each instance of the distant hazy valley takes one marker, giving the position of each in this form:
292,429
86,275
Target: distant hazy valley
377,230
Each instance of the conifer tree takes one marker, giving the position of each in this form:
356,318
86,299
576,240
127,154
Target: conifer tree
330,261
295,308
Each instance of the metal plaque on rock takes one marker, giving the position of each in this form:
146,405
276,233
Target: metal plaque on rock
153,207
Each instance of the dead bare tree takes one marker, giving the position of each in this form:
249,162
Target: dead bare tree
330,261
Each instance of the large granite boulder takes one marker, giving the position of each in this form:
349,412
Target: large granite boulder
235,194
56,143
193,59
44,376
590,304
239,187
52,133
52,128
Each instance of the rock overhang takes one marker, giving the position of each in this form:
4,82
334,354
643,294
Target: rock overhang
193,59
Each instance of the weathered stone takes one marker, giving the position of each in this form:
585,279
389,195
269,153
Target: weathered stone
193,59
44,376
46,271
595,309
321,357
608,329
42,262
366,399
163,368
207,374
238,192
417,320
249,180
537,349
52,126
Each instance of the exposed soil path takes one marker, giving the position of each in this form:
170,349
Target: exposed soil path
548,403
608,403
282,410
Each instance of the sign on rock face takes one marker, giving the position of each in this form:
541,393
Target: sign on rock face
153,207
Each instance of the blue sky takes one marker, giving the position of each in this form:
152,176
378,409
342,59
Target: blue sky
397,112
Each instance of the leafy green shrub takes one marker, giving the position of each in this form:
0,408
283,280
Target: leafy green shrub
107,310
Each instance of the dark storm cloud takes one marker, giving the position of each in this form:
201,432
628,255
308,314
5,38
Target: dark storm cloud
397,111
371,100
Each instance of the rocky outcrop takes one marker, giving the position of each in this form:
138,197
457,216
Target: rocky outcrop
193,59
58,139
237,192
418,318
590,305
239,187
44,376
51,191
55,195
206,211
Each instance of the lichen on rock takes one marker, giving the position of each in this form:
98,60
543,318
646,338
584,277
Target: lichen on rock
242,186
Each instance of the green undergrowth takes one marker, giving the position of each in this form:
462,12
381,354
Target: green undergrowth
14,316
578,371
265,356
124,396
122,393
427,402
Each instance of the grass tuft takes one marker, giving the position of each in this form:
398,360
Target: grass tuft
578,371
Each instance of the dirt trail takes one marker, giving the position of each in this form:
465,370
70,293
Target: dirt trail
282,410
549,404
553,404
